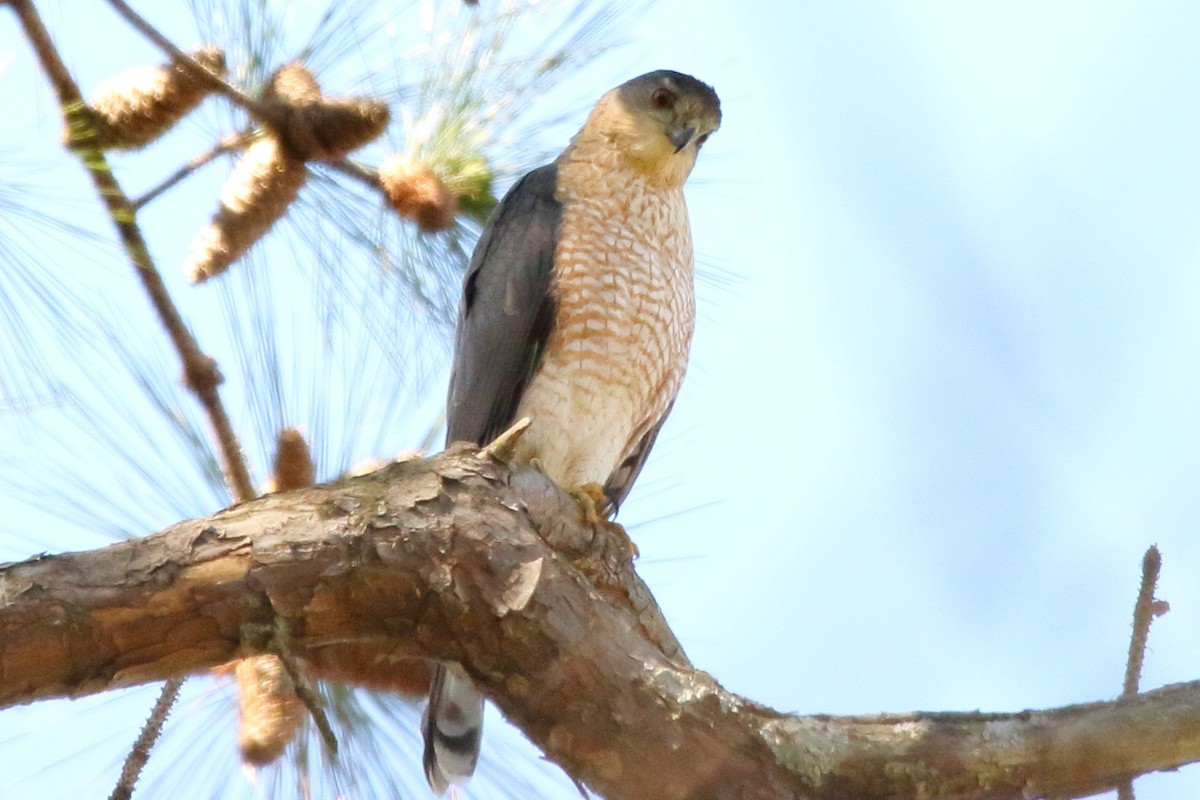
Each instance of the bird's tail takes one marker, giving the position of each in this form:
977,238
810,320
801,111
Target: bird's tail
453,728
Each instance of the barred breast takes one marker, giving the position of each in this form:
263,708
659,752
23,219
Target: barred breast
625,312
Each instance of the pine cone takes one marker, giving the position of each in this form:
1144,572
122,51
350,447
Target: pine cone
135,107
257,194
416,192
293,468
314,126
270,711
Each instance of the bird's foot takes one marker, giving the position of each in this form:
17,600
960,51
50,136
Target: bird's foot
593,502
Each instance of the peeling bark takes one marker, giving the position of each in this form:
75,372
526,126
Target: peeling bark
460,558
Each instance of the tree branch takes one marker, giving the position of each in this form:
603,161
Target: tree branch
200,372
458,557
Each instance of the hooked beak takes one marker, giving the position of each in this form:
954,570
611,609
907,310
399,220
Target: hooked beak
682,136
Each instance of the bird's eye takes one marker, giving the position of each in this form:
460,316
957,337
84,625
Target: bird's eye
702,138
662,98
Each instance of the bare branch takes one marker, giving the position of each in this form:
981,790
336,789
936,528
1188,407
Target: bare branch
1144,612
307,696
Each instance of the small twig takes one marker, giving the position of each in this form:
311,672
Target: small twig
140,752
364,175
307,696
279,643
1144,611
367,176
52,65
230,142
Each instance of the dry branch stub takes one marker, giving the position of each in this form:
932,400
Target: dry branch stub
418,193
135,107
265,181
314,126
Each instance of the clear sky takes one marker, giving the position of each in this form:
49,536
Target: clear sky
945,388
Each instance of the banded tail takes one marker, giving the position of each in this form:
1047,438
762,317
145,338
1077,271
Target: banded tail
453,728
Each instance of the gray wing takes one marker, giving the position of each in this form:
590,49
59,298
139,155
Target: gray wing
503,323
507,310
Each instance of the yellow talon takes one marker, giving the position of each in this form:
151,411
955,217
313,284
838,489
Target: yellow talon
591,500
594,504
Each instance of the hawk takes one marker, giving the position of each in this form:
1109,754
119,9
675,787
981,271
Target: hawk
577,312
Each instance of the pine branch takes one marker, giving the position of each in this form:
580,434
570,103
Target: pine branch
461,558
200,371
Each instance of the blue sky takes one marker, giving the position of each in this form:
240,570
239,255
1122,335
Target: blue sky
944,389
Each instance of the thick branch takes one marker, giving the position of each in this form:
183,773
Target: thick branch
457,557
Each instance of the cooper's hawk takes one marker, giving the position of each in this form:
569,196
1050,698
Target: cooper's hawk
577,312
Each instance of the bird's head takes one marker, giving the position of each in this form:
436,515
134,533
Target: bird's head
659,121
